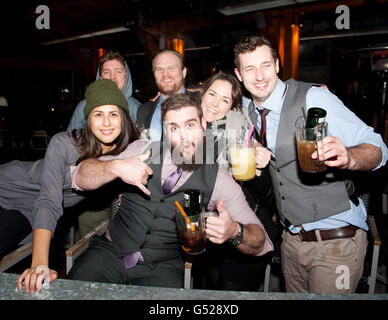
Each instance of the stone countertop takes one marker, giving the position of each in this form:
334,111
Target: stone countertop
62,289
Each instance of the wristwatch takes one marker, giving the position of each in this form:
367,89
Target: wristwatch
239,237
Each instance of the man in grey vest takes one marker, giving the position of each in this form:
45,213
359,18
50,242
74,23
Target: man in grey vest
141,245
325,224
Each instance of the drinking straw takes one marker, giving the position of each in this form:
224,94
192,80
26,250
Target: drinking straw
185,215
250,133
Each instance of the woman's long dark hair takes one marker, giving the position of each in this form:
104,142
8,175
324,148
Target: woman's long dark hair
89,146
236,88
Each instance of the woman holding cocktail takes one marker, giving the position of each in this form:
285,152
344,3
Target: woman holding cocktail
226,118
223,267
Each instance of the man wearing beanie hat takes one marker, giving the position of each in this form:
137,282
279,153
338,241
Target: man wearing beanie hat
103,92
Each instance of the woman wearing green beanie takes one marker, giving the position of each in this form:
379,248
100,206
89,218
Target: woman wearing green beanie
33,194
104,102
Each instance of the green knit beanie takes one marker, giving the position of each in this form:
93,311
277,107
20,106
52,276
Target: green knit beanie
102,92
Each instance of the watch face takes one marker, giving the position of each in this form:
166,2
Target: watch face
239,237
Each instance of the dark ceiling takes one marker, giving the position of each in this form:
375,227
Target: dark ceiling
199,22
146,21
71,18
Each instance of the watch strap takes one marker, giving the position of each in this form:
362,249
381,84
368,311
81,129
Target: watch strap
237,239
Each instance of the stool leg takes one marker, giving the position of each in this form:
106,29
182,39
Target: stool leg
373,273
384,203
188,282
267,277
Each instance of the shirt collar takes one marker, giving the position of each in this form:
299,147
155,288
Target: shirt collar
162,98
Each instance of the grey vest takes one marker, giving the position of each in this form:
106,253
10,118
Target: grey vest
301,197
147,224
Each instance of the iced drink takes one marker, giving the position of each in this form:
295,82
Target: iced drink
308,140
242,158
193,242
192,234
306,163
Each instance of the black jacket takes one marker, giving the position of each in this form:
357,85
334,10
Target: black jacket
145,112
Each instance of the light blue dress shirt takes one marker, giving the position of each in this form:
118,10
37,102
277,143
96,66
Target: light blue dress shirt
156,125
342,123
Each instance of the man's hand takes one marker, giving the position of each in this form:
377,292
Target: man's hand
262,157
221,228
34,276
134,171
94,173
335,154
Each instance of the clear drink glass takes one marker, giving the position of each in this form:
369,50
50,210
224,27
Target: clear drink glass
242,158
208,214
308,140
192,232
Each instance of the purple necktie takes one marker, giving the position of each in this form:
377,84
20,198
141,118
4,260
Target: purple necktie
130,260
263,129
171,180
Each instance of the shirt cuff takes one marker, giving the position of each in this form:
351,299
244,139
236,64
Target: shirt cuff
73,173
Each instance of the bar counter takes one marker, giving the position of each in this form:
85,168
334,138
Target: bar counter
63,289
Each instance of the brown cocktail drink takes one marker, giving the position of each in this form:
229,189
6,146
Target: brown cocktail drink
306,163
308,141
193,242
192,234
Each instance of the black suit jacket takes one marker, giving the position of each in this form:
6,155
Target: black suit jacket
145,113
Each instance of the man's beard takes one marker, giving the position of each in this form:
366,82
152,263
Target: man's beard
169,90
195,161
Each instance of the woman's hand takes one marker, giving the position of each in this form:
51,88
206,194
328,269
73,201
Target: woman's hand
262,157
33,278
